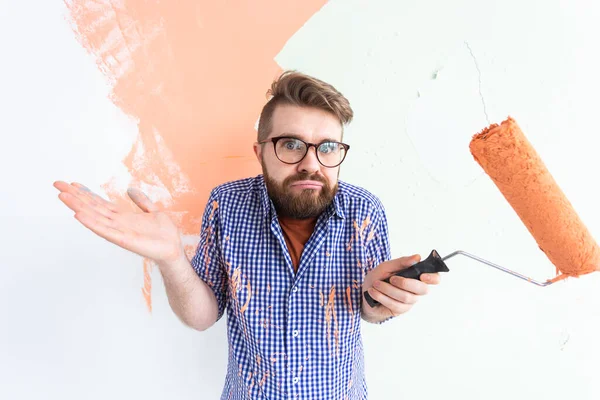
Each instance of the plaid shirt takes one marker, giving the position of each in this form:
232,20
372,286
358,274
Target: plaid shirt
291,335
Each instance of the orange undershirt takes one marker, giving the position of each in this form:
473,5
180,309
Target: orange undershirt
296,233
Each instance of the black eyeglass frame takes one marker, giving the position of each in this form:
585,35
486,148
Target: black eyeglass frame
274,140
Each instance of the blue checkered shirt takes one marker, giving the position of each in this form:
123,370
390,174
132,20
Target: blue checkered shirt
291,335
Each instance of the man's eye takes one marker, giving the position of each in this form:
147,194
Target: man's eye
327,147
291,144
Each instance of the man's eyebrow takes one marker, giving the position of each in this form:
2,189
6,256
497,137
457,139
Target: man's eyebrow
296,136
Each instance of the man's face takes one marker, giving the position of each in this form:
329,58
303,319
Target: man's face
305,189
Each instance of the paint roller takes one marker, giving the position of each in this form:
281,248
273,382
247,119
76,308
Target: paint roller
509,159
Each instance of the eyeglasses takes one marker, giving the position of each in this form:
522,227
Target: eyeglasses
290,150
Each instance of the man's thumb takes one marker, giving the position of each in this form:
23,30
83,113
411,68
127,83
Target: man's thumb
141,200
403,263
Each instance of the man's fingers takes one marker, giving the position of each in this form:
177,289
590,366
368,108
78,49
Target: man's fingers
79,204
81,195
410,285
93,197
100,226
71,201
401,263
396,293
431,279
394,306
62,186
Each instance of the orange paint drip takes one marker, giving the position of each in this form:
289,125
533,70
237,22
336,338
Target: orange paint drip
349,245
331,319
245,306
364,225
360,231
147,288
251,381
264,379
349,299
356,230
371,235
234,282
215,205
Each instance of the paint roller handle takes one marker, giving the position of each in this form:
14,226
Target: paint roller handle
431,264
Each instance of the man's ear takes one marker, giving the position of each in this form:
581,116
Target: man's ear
257,151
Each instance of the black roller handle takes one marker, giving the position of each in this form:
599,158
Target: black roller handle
431,264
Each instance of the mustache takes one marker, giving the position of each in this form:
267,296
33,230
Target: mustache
306,177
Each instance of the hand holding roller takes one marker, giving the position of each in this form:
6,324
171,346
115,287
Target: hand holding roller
514,166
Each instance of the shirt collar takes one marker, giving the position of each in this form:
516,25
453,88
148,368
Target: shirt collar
335,208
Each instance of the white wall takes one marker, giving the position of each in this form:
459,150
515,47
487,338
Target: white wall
73,321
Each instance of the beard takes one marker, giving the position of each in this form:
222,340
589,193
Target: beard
303,205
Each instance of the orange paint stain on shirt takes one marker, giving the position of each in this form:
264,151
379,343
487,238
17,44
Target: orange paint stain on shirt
364,225
264,378
349,299
349,244
356,230
370,236
331,321
248,297
275,355
251,381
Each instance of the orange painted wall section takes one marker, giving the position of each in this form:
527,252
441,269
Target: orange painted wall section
194,74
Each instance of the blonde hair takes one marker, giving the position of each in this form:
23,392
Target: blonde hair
295,88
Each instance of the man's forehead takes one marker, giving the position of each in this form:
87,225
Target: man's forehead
305,123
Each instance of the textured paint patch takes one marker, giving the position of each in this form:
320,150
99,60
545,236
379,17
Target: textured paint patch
193,74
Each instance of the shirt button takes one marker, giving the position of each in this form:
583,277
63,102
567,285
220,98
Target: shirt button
295,333
295,380
295,289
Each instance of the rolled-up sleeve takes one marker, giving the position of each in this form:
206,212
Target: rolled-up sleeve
378,245
208,261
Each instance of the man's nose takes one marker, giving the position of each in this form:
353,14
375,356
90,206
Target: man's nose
310,163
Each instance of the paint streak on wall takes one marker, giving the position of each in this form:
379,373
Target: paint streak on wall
147,288
194,75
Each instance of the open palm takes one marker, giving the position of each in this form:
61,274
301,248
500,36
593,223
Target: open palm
148,232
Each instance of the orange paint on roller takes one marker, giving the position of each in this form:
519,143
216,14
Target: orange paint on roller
515,167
